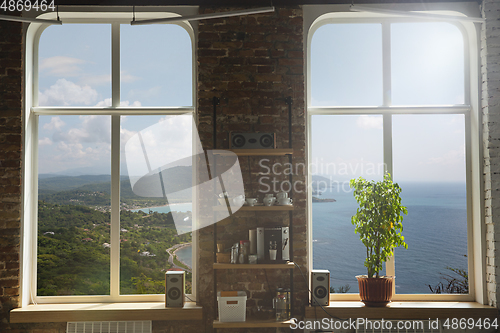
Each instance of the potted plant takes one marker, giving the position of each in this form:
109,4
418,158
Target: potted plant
378,221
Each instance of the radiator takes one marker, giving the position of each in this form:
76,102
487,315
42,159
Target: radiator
109,327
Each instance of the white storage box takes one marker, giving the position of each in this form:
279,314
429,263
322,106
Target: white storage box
232,308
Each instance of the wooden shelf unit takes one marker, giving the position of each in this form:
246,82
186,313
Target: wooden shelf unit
255,152
288,265
288,152
252,323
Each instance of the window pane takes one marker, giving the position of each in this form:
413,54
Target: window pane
346,65
343,147
155,205
73,207
156,66
427,64
75,65
429,165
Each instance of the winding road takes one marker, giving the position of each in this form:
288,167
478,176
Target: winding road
171,251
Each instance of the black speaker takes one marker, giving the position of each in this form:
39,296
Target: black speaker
320,286
252,140
174,288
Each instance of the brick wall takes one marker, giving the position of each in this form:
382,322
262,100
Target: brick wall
253,63
490,70
10,165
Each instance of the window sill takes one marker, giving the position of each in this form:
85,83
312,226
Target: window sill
404,310
104,312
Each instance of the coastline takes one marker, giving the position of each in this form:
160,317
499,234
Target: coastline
173,253
174,204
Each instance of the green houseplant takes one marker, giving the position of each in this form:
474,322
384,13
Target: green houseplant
378,221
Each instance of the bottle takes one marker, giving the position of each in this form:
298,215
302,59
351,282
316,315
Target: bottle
244,251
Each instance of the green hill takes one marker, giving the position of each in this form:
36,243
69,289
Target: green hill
95,191
73,250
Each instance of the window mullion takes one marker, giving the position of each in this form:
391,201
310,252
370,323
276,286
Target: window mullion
115,163
387,117
386,63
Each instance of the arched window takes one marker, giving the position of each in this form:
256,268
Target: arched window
398,95
107,99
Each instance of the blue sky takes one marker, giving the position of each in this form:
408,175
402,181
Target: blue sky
75,70
346,70
427,69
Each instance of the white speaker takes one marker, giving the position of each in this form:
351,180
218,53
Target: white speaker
174,288
320,287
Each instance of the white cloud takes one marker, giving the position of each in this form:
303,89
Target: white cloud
127,78
77,153
62,66
55,124
64,93
369,122
105,79
96,80
44,142
91,129
107,102
125,135
450,158
165,142
145,94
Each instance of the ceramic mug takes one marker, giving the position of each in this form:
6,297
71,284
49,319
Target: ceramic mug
251,201
282,195
239,200
268,195
269,201
285,201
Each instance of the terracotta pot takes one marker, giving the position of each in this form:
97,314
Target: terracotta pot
375,291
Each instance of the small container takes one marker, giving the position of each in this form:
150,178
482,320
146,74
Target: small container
244,251
252,259
252,236
221,247
232,309
224,257
273,249
234,253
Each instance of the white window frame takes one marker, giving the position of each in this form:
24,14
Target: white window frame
114,18
314,18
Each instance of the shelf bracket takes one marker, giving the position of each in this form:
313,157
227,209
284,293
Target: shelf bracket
215,102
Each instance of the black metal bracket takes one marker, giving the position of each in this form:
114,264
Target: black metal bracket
289,102
215,102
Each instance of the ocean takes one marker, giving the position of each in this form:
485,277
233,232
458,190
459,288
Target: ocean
435,230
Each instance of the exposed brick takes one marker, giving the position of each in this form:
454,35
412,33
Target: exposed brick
254,69
490,41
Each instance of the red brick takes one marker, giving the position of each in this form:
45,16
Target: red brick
227,45
261,61
11,291
295,54
291,62
257,45
208,60
12,265
211,53
268,77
